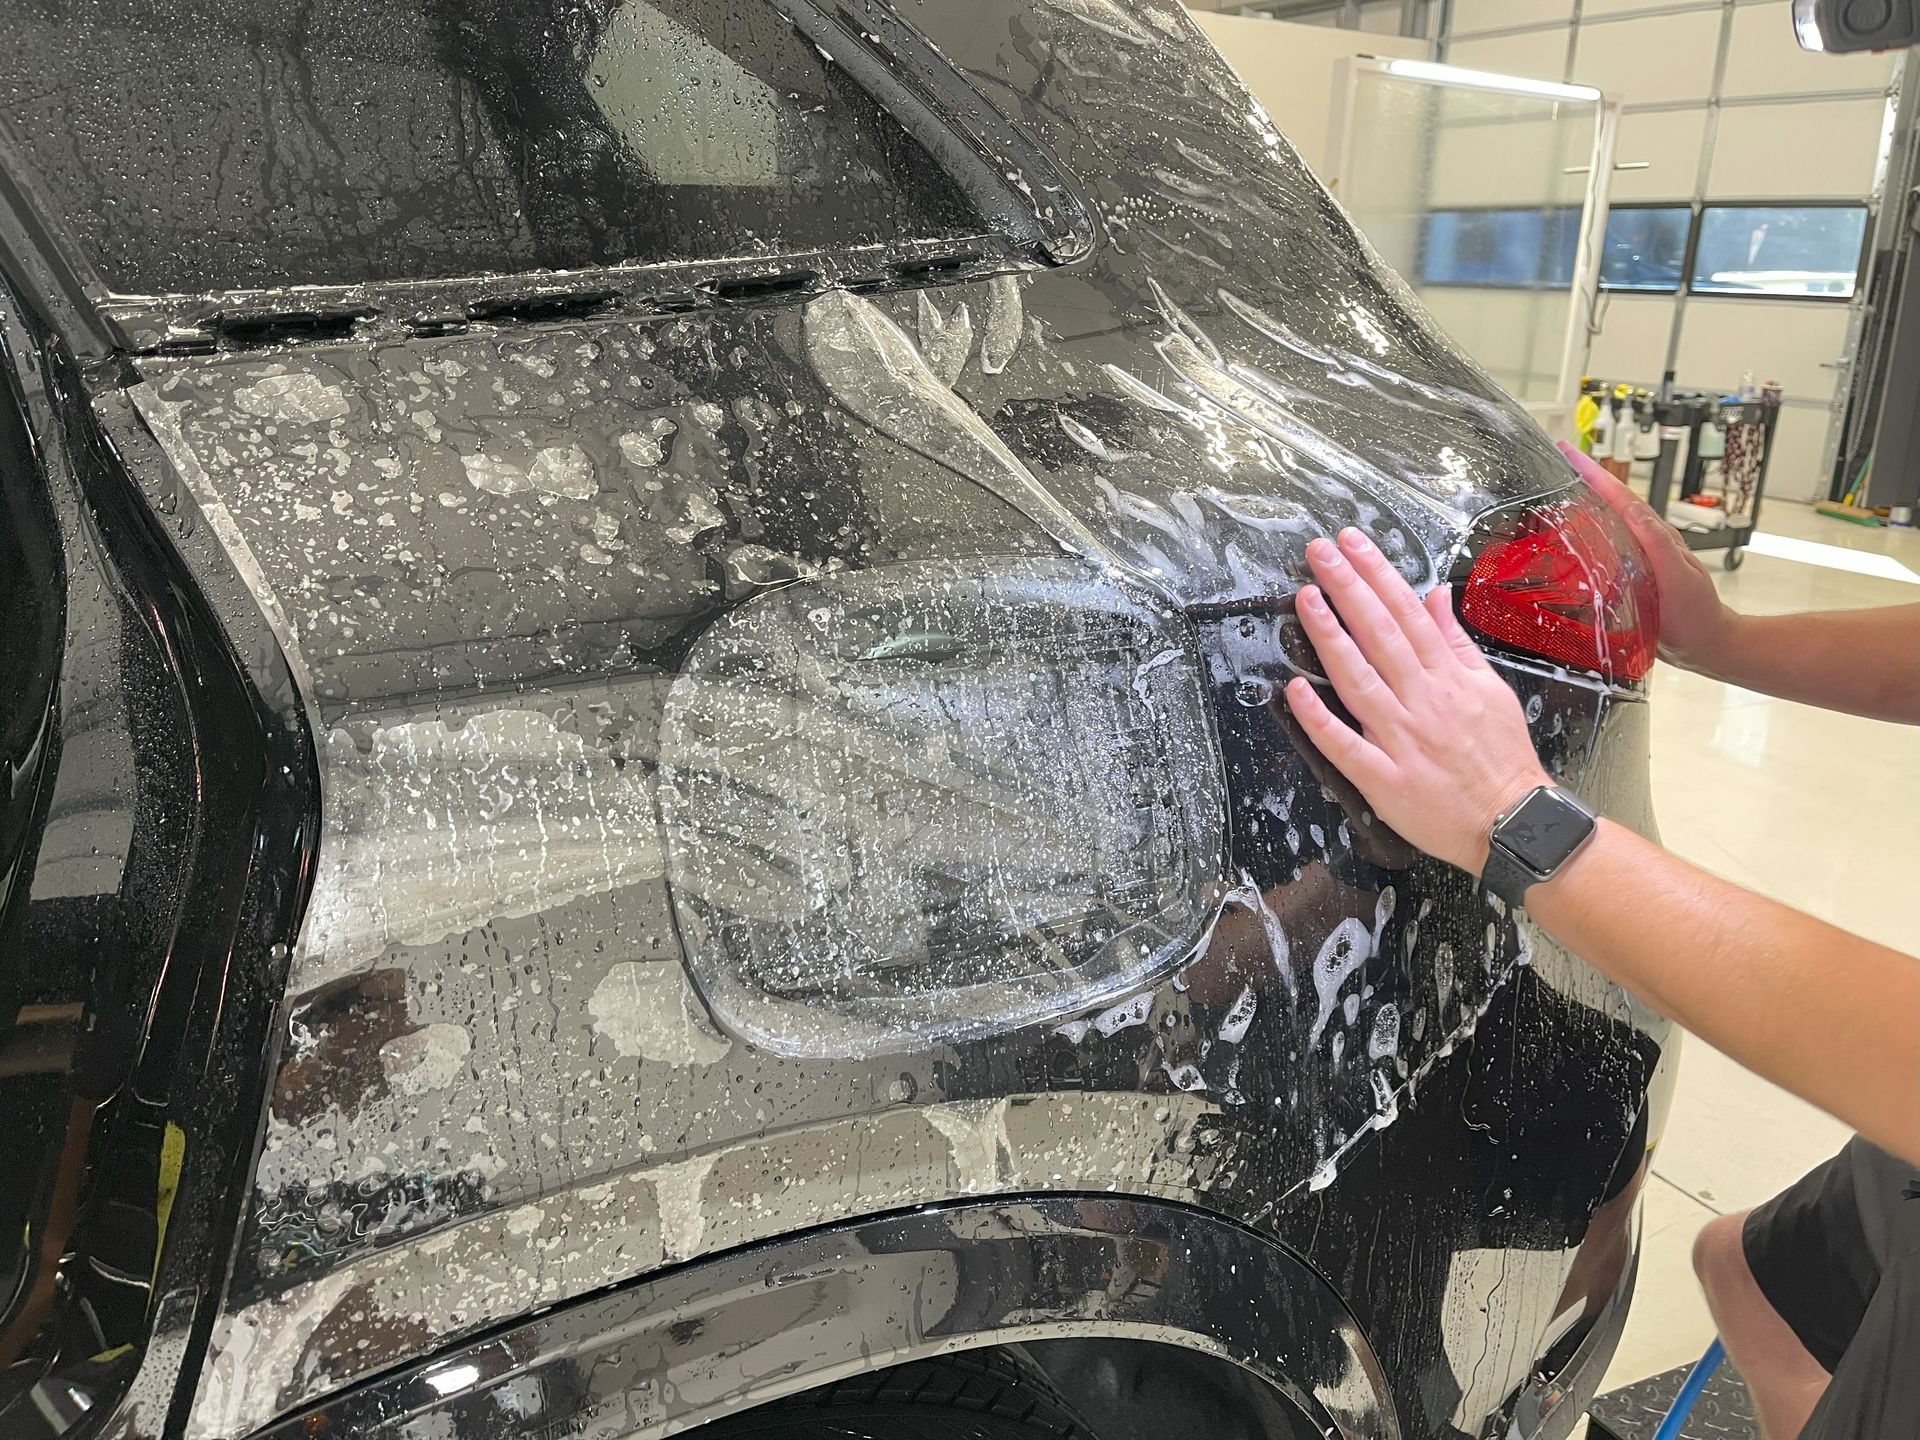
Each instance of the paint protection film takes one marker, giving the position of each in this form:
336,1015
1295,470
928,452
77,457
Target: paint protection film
933,802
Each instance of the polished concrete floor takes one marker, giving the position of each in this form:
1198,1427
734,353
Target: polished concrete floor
1820,811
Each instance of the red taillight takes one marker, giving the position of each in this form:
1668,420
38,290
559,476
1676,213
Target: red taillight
1568,582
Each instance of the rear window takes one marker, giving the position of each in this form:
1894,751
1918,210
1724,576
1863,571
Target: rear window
197,145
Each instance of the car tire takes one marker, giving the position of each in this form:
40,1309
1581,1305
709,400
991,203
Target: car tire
974,1395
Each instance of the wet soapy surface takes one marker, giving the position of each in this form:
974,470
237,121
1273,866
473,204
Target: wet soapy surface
933,802
429,141
797,761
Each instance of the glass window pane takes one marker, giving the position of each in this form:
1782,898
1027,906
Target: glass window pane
194,147
1475,195
1525,249
1645,248
1780,249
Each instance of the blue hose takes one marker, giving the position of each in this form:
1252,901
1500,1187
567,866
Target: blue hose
1697,1379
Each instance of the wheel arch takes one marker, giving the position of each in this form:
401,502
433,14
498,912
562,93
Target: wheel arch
708,1339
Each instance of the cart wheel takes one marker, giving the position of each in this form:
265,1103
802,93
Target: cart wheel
1736,555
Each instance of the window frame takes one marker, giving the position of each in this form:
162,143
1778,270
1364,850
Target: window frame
1860,263
1686,250
1696,224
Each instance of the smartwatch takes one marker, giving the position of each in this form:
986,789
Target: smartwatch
1533,840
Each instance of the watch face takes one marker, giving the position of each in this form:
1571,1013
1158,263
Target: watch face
1544,830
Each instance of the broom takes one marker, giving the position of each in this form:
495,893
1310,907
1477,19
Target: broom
1848,506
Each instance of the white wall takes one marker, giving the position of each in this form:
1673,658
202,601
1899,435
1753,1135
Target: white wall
1779,124
1419,149
1289,69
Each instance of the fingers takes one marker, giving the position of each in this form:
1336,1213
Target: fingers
1607,487
1375,629
1439,605
1617,495
1655,534
1589,469
1396,596
1356,682
1365,764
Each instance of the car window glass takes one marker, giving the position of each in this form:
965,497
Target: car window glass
1780,249
1645,247
1531,248
195,146
722,123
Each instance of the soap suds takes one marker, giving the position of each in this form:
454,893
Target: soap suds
431,1058
647,1009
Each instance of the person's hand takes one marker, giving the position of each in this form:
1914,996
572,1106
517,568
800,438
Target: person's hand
1696,627
1442,750
1378,844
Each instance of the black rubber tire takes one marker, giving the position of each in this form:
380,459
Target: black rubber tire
1735,556
974,1395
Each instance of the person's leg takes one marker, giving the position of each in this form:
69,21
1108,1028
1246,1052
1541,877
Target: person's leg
1791,1283
1784,1378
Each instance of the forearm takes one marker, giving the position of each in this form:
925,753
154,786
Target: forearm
1866,662
1831,1017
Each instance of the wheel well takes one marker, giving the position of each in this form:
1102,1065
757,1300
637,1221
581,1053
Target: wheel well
1143,1390
1093,1388
1137,1310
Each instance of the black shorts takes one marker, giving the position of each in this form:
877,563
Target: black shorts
1838,1256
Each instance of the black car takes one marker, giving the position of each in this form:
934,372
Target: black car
646,790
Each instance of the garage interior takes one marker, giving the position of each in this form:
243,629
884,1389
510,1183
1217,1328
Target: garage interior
1723,123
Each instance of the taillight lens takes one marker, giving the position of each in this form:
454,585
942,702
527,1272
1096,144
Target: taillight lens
1566,581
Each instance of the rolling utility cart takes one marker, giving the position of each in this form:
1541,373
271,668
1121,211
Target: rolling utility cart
1747,422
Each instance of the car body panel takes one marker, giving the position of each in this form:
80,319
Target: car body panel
488,557
491,1022
670,1354
166,870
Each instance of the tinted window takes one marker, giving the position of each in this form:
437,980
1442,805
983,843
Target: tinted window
196,145
1521,248
1645,249
1780,249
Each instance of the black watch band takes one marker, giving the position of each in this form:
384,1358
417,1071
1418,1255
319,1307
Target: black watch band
1507,877
1533,840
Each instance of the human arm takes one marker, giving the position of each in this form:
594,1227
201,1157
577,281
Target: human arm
1830,1016
1443,750
1866,662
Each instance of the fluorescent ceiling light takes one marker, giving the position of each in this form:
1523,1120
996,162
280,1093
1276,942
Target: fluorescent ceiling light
1435,74
1831,557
